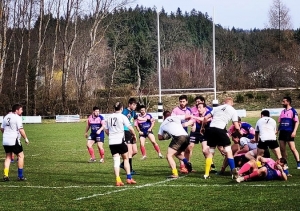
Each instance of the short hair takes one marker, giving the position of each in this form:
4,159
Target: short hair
289,99
142,106
183,97
166,114
118,106
200,97
16,107
96,108
283,160
132,101
236,134
204,105
228,99
265,113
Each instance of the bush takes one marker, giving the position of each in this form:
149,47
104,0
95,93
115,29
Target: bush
239,98
260,96
249,95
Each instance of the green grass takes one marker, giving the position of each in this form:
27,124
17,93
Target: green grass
58,173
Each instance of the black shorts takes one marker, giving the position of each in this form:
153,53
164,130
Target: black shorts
16,149
129,138
118,148
217,137
285,136
272,144
179,143
146,133
240,160
196,137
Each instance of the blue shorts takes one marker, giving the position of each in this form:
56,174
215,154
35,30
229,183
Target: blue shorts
271,173
96,137
146,133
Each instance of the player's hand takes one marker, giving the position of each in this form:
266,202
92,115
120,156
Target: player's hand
149,130
26,141
202,131
86,135
293,135
98,132
188,116
279,167
141,133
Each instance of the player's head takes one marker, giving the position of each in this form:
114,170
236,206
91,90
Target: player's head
18,109
183,101
142,109
265,113
201,107
96,111
286,101
132,104
236,136
166,114
229,101
118,106
199,99
281,161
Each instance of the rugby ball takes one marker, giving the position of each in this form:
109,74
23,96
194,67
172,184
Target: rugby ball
166,136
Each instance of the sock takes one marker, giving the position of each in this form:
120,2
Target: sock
118,179
143,150
185,161
101,151
157,149
253,174
213,166
20,173
286,171
175,172
6,170
208,162
130,163
91,151
246,167
129,176
231,163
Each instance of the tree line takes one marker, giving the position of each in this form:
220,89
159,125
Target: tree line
60,57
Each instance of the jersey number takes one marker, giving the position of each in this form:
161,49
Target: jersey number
113,121
8,122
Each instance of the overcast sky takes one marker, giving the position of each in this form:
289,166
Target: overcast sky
245,14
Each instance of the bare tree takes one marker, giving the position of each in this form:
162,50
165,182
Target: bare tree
279,17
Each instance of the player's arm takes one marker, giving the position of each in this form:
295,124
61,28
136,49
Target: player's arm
245,149
160,134
101,128
188,123
137,127
295,129
206,118
283,175
237,127
132,131
87,129
23,134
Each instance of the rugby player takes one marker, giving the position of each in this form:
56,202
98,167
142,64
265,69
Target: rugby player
96,122
288,125
217,134
270,170
115,131
172,125
144,129
12,129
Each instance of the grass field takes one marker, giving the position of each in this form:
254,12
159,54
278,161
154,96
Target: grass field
60,178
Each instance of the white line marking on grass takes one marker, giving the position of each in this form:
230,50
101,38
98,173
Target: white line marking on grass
127,188
231,185
35,155
49,187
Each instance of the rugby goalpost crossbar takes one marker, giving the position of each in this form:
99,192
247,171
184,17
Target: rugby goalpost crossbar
160,108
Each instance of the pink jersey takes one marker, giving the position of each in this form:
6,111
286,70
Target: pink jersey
287,119
181,111
144,123
96,123
272,165
195,111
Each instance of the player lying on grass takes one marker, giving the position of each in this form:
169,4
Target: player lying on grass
172,128
270,170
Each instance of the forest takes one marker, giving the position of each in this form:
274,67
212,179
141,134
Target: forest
64,57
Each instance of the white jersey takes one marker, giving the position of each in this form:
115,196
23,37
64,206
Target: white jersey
115,125
222,115
266,126
173,126
246,141
11,124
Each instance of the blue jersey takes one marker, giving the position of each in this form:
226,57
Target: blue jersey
248,130
145,124
199,124
131,115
